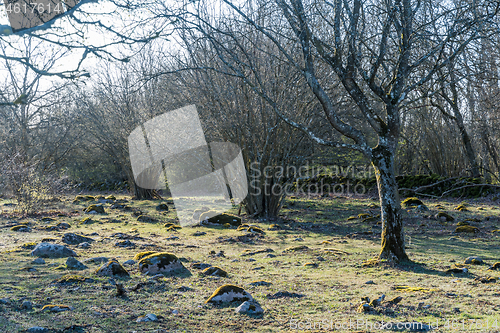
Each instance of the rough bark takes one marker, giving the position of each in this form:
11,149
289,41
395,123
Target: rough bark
393,240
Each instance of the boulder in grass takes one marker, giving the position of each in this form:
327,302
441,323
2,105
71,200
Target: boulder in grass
442,216
95,209
474,261
57,308
249,308
220,219
74,239
411,202
467,229
146,219
112,268
72,263
162,263
50,250
162,207
214,271
229,293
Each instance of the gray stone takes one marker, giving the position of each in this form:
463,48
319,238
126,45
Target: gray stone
84,245
27,305
37,329
72,263
148,317
249,308
129,262
51,250
74,239
38,261
5,300
97,260
474,260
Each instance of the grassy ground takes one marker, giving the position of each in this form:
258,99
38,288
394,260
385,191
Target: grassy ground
332,291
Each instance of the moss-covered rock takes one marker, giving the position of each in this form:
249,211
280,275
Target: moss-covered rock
461,208
274,227
146,219
214,271
467,229
21,228
84,198
442,216
98,209
174,228
243,227
87,220
495,266
395,300
161,262
222,219
460,224
163,207
474,261
57,308
311,264
207,214
28,246
254,229
260,283
112,268
296,249
141,255
411,202
364,216
110,197
168,224
229,293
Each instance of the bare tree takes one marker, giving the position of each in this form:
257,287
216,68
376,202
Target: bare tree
380,52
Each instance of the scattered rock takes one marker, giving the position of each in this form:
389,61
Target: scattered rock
146,219
495,266
37,329
199,233
38,261
249,308
200,265
221,219
422,208
284,294
457,270
365,308
95,209
21,228
311,264
214,271
461,208
97,260
411,202
229,293
74,239
27,305
442,216
270,255
148,317
260,283
162,207
5,301
72,263
57,308
130,262
84,245
126,243
467,229
50,250
487,279
369,282
161,262
63,225
395,300
70,279
474,261
112,268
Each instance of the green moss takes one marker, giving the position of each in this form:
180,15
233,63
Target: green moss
408,289
20,227
29,246
174,228
214,271
95,208
227,288
110,197
460,224
467,229
411,202
444,216
461,208
255,230
364,216
141,255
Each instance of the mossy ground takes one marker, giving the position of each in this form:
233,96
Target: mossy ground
333,290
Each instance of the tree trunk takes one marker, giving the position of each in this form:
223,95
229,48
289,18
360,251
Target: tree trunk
393,240
145,194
